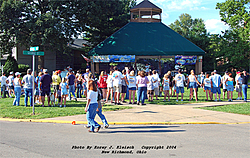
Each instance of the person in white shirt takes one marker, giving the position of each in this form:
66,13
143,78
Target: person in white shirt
4,83
132,86
192,84
216,79
238,80
179,83
92,106
10,84
150,86
208,85
156,84
117,83
223,79
165,84
110,87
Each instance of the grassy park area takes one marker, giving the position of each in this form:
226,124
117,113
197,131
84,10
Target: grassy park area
77,108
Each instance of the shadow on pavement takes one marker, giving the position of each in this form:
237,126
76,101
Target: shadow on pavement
141,129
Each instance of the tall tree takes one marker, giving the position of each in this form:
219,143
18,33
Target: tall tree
195,31
235,45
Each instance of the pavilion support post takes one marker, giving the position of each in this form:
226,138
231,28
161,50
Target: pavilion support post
92,65
135,64
97,67
198,65
159,64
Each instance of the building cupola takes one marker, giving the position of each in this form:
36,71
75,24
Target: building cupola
145,12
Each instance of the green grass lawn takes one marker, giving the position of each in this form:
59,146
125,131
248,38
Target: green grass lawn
243,108
7,110
77,108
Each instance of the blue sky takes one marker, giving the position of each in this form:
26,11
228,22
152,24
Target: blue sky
204,9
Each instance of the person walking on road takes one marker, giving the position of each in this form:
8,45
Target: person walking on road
91,106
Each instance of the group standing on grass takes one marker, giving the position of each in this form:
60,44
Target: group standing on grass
146,85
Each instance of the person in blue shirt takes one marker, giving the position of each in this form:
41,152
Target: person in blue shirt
216,79
72,83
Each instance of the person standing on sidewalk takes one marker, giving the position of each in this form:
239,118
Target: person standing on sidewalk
179,83
117,83
45,83
216,79
245,78
17,89
72,84
28,82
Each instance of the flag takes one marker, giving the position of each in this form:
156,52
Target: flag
85,58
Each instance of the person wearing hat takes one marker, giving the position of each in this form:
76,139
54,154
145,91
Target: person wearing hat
10,84
28,85
216,79
238,87
56,80
17,89
223,80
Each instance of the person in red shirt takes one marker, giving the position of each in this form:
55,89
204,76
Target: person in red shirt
103,84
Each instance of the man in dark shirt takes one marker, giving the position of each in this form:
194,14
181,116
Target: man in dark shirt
245,78
45,83
72,83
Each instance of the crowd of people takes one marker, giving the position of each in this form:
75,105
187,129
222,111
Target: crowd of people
114,86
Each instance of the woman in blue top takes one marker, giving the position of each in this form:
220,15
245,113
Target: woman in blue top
230,86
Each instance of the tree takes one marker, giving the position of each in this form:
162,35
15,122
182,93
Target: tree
235,45
53,24
195,31
10,65
105,17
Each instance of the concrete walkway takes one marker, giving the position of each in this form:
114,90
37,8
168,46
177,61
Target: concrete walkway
164,114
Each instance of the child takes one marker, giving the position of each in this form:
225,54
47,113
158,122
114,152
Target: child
165,84
59,93
63,87
208,85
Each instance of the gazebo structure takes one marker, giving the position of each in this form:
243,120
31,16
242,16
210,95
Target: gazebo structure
145,36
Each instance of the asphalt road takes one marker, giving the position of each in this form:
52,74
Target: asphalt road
24,139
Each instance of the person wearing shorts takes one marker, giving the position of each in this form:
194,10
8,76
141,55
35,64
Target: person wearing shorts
166,83
117,83
230,86
150,86
238,80
208,85
45,83
179,83
56,80
192,84
223,79
110,87
216,79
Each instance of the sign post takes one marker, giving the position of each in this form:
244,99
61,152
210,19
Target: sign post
33,51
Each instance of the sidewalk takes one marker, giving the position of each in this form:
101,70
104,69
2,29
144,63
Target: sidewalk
158,114
165,114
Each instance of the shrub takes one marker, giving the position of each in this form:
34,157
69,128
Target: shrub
10,65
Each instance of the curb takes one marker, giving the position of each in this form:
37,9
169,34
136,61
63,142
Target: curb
116,123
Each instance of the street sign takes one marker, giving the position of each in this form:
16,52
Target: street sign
26,52
34,48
